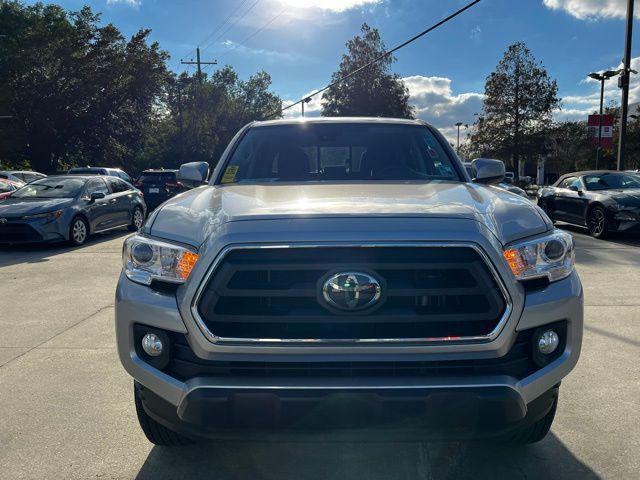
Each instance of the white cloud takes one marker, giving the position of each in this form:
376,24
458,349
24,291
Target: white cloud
435,103
433,100
311,109
578,107
591,9
332,5
131,3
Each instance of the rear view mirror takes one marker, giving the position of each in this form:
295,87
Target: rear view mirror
488,170
193,174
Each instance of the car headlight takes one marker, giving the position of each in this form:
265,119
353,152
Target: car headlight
551,256
145,259
49,215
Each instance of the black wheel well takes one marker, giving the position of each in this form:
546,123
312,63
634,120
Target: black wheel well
594,205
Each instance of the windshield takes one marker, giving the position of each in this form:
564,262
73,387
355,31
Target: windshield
51,188
331,152
611,181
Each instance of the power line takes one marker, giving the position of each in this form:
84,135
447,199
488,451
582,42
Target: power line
217,28
243,42
231,26
375,60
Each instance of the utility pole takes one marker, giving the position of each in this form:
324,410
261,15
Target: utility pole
624,84
601,78
199,63
306,100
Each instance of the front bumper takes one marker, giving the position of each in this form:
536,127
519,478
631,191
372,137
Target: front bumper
196,406
18,231
369,412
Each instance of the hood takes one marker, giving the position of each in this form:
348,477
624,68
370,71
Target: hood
195,215
627,197
19,207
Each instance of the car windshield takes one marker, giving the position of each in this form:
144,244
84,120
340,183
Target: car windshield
331,152
611,181
51,188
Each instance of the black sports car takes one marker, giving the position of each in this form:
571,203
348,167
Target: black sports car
603,201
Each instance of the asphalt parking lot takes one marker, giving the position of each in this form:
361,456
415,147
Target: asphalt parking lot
67,407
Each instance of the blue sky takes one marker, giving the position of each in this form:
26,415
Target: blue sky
299,42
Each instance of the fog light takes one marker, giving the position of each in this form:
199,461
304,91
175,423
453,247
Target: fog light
152,345
548,342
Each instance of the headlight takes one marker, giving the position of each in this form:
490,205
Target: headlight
49,215
145,260
551,256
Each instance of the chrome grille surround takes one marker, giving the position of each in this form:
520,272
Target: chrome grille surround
216,339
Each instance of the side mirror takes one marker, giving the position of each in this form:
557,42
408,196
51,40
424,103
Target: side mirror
193,174
488,170
96,196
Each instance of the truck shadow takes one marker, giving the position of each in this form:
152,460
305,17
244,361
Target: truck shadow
549,459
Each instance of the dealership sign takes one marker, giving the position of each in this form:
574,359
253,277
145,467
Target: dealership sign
607,130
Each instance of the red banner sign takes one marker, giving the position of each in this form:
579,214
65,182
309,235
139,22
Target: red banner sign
606,141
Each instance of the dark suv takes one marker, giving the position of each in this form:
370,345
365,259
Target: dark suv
158,186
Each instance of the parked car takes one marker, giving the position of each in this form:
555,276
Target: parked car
113,172
7,187
69,208
504,185
22,176
158,186
602,201
345,274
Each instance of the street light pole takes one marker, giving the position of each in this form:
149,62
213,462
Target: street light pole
459,124
601,78
624,80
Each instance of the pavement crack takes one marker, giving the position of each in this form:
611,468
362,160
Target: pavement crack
97,312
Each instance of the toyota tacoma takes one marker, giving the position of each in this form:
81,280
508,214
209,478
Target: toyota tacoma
346,277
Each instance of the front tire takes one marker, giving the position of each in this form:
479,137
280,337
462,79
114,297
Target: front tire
597,222
155,432
137,220
78,231
537,431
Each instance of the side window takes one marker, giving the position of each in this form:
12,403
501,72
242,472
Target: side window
567,182
30,177
96,185
117,185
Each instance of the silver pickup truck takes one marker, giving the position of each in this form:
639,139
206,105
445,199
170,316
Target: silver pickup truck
345,277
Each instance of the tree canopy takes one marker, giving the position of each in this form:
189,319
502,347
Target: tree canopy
374,92
519,100
79,92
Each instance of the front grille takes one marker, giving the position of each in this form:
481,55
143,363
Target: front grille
18,232
429,293
517,363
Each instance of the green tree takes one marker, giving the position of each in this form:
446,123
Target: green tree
77,91
199,119
374,92
519,100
